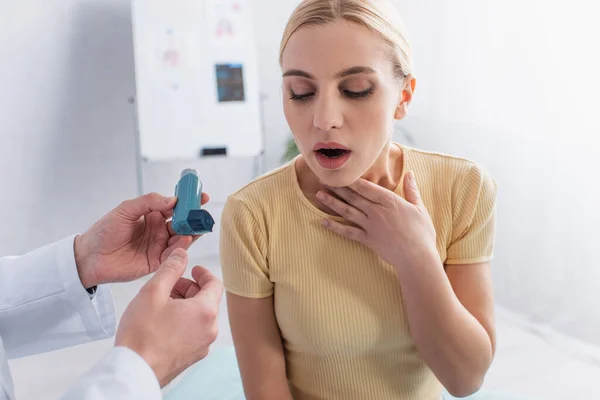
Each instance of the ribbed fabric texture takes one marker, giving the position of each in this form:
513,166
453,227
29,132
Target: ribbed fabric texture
338,305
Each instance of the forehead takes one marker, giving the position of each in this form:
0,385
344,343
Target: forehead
329,48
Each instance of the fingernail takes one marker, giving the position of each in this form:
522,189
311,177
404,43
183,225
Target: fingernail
320,195
176,256
326,222
169,200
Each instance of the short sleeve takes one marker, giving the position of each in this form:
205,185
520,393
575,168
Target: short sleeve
243,252
474,219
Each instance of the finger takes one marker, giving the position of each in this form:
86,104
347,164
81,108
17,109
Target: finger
169,272
194,238
411,191
170,229
351,232
345,210
167,214
180,241
175,234
135,208
211,288
371,191
157,237
172,241
354,199
185,288
204,198
179,288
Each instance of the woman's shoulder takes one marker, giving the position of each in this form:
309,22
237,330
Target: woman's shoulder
449,183
265,189
449,168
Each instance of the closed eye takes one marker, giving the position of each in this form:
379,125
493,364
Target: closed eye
300,97
348,93
358,95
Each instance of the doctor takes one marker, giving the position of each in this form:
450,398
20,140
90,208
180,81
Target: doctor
57,296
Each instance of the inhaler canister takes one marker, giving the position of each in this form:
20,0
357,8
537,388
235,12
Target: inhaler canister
188,217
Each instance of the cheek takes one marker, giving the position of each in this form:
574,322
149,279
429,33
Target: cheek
373,119
299,121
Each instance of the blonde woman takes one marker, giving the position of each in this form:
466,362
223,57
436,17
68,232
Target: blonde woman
361,269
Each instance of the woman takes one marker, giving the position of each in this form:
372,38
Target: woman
361,269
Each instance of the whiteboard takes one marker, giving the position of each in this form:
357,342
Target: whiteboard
190,58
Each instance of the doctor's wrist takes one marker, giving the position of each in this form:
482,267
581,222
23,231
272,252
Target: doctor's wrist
84,270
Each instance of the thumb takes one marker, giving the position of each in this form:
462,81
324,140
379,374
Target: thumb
411,190
169,272
135,208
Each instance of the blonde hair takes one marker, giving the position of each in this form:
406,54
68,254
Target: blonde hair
379,16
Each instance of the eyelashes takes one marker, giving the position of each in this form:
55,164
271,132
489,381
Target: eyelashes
300,97
359,95
347,93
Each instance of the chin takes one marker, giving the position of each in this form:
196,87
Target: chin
341,177
338,178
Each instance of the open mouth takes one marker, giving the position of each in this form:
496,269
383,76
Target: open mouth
333,153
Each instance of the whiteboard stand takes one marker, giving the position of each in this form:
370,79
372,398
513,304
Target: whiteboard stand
261,160
138,152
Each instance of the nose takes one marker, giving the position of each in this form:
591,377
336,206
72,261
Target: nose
328,112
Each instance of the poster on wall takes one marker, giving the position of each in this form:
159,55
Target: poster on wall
171,53
230,82
174,53
228,22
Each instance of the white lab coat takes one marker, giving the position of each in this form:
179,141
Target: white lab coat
44,307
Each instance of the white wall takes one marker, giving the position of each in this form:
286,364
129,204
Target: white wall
514,85
270,18
66,127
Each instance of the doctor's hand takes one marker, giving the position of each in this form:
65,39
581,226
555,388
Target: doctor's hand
172,321
130,241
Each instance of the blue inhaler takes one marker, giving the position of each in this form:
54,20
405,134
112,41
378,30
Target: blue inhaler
188,217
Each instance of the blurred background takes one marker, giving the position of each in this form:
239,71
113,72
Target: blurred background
101,100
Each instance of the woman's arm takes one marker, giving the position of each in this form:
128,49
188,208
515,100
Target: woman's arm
449,313
451,321
258,348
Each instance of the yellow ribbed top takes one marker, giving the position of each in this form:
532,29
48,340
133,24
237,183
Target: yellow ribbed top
338,305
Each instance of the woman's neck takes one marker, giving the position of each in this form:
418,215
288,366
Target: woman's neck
387,169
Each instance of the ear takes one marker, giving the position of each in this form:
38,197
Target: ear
408,89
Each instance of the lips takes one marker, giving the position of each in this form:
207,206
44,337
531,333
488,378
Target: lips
329,145
331,155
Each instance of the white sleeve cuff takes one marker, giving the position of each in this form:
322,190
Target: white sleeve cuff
44,306
98,314
120,375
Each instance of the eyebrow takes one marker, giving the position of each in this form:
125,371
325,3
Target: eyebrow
342,74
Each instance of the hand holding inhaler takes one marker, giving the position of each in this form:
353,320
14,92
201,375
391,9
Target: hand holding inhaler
172,322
